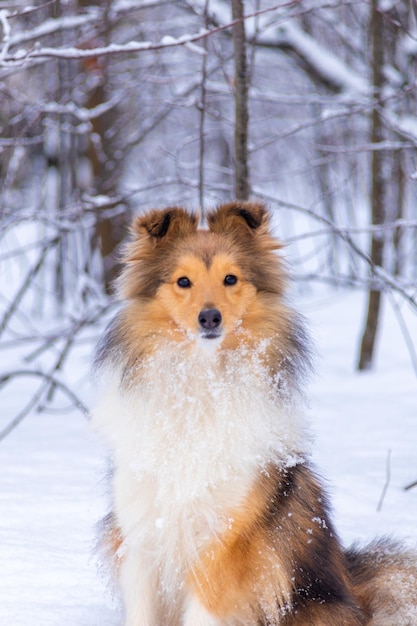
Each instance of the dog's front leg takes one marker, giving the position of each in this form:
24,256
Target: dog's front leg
196,614
139,591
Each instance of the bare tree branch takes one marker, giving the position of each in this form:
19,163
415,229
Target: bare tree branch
34,402
26,283
73,53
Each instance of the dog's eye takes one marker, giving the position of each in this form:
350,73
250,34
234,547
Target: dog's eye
230,279
184,282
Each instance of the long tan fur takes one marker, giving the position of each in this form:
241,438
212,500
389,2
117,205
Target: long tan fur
218,518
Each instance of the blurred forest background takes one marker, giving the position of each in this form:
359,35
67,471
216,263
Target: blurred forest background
112,107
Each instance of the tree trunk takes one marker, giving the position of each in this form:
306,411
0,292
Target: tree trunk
399,207
110,231
241,103
378,188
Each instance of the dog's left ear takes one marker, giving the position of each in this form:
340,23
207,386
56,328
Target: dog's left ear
247,219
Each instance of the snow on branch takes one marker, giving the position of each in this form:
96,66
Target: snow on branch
91,15
112,49
82,113
53,26
4,22
404,125
318,60
75,53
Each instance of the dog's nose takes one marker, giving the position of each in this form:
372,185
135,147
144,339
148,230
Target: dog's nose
210,318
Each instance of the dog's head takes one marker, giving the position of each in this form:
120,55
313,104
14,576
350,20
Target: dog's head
208,283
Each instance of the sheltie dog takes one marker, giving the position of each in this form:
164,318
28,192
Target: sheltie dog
217,515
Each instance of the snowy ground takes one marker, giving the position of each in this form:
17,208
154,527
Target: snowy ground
51,488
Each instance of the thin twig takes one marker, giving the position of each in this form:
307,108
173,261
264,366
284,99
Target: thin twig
377,271
387,482
405,332
202,107
71,337
27,283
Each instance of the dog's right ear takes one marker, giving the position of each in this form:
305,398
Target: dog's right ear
158,227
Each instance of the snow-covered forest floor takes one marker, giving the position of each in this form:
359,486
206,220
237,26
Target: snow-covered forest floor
52,468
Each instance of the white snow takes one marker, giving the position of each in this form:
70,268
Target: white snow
365,424
52,469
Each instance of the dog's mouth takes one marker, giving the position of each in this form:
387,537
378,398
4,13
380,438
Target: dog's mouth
210,340
213,334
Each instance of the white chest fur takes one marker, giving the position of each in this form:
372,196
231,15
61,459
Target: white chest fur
189,436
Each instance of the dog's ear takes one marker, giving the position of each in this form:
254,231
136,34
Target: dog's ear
158,227
172,222
242,219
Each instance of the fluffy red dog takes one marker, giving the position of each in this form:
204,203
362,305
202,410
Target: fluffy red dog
218,518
